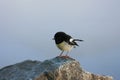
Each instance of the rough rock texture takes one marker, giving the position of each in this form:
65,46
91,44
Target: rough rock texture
58,68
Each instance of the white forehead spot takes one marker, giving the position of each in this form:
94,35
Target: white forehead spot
71,39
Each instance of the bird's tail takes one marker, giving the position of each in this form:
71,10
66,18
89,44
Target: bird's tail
75,42
78,40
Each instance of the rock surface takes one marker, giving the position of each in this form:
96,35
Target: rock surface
58,68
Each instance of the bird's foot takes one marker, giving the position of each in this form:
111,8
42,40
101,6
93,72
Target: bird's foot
64,56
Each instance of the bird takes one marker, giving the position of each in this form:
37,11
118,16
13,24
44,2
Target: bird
65,42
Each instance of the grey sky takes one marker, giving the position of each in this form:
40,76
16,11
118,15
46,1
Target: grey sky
28,26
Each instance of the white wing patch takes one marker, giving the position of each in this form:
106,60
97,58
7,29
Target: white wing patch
71,39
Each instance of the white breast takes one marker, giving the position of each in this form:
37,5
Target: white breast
64,46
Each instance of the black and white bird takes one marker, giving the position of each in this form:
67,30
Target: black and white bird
65,42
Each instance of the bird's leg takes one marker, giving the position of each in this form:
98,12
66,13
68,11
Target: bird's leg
67,54
61,53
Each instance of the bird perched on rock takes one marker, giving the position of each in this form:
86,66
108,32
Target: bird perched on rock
65,42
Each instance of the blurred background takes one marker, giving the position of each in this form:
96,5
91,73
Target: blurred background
28,26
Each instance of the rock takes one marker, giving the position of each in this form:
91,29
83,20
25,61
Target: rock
59,68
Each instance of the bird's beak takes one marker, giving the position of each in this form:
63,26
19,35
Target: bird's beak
53,38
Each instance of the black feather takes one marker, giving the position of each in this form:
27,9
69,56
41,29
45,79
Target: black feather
77,40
